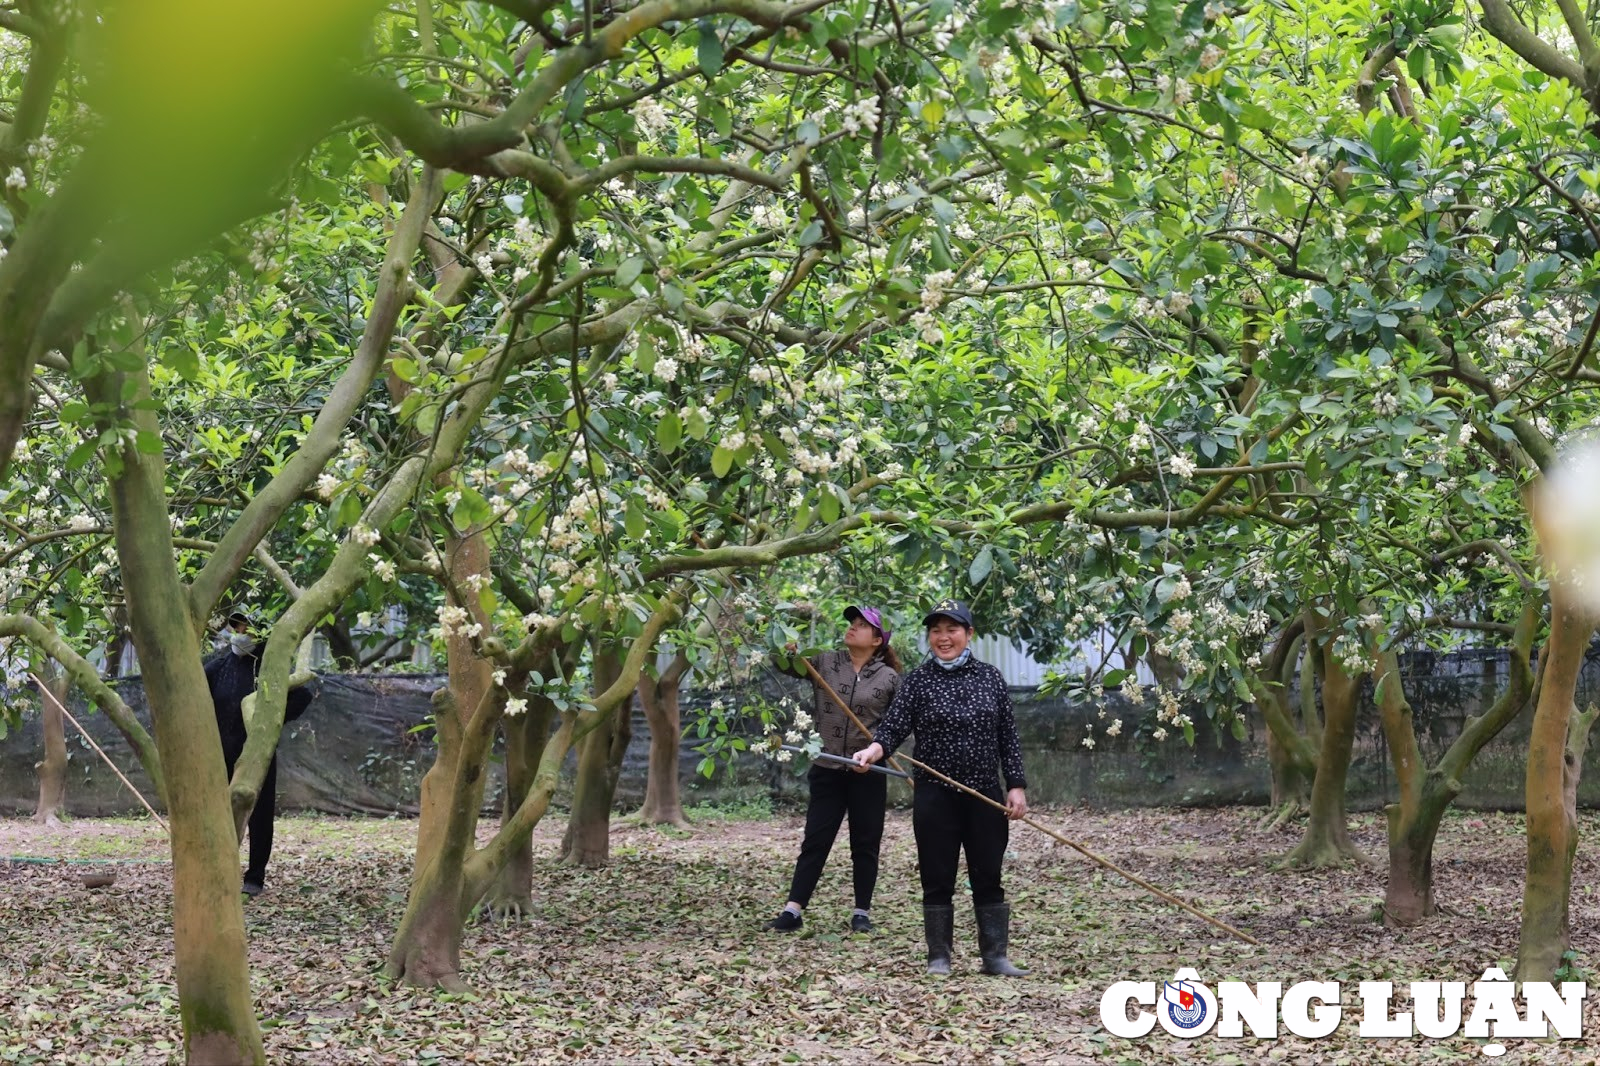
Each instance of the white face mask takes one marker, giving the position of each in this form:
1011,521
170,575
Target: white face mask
241,643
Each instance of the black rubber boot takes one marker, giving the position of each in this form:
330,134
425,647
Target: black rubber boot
938,924
994,931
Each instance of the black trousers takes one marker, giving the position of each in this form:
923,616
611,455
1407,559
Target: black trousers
260,824
834,794
946,821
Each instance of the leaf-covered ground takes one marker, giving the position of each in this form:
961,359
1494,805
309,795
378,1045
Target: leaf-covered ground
660,958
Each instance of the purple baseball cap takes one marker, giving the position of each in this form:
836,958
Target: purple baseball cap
870,615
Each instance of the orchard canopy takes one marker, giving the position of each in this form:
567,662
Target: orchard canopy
1219,354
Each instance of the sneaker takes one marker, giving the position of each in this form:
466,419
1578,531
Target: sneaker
860,923
787,921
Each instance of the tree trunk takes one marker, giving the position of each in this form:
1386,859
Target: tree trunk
427,947
526,735
588,838
211,958
1555,758
341,646
1413,822
1291,753
1291,780
52,769
116,645
437,784
1327,836
663,802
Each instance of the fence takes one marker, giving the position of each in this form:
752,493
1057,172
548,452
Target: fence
364,746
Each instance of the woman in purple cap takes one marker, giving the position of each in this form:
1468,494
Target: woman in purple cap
866,675
960,710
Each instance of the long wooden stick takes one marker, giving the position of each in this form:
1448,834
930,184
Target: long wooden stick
97,748
1074,845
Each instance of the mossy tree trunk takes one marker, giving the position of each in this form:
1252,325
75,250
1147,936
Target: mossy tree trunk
1327,835
588,837
52,769
211,959
1291,750
1555,759
663,798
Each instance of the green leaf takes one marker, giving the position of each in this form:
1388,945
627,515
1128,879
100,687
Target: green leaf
669,432
982,564
721,461
348,511
828,504
634,520
629,271
147,442
472,510
81,454
709,52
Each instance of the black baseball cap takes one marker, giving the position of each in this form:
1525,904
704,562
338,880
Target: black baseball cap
954,610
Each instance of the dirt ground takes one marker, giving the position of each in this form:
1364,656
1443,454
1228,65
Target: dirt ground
660,956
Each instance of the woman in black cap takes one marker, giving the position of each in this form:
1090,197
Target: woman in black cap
960,710
232,676
866,675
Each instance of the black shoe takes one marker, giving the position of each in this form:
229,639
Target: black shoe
253,886
787,921
860,923
938,925
994,933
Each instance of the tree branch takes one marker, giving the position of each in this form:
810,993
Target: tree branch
322,442
1503,25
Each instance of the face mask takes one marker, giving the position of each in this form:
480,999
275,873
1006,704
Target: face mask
241,643
966,653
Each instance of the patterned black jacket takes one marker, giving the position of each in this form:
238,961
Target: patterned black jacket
868,694
963,722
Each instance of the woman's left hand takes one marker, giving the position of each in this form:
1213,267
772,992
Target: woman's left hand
1016,804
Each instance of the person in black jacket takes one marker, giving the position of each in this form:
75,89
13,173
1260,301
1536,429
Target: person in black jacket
960,710
865,674
231,676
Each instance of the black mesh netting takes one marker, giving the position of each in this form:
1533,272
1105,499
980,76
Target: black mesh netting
364,745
